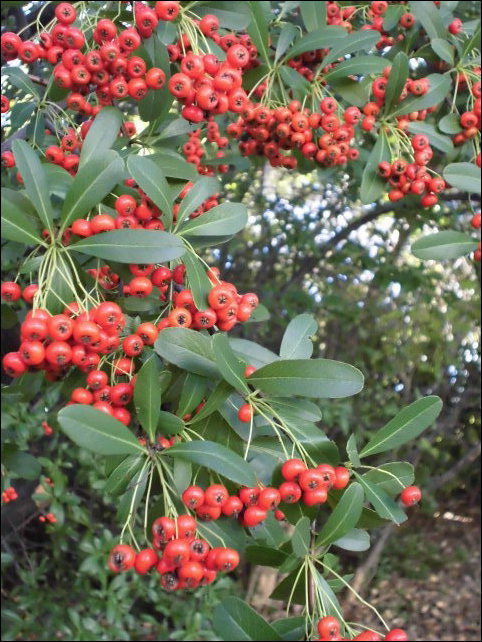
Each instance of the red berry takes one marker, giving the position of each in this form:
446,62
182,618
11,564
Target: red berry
411,495
121,558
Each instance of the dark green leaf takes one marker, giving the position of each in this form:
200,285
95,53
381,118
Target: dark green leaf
291,628
372,185
352,450
235,620
313,14
265,556
95,430
443,49
441,142
393,477
197,279
34,179
231,368
382,502
407,425
464,176
439,88
17,226
22,464
21,81
258,30
123,474
300,540
193,391
320,378
187,349
224,220
199,192
351,43
91,184
150,178
132,246
101,135
147,396
169,424
344,517
444,245
450,124
429,17
396,80
296,342
358,65
287,35
215,457
320,38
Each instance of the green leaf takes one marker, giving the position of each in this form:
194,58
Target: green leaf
429,17
182,475
300,540
293,79
223,533
372,185
147,396
193,391
24,465
287,35
34,179
155,104
328,597
358,65
382,502
21,81
464,176
58,179
355,540
197,279
325,37
17,226
470,44
169,424
441,142
231,368
444,245
344,517
224,220
302,409
290,628
187,349
199,192
352,91
352,450
96,431
254,354
392,16
123,474
130,501
351,43
407,425
215,400
321,378
258,30
443,49
91,184
439,88
293,585
396,80
235,620
296,342
215,457
20,114
173,165
392,477
265,556
101,135
175,127
132,246
234,17
152,181
313,14
450,124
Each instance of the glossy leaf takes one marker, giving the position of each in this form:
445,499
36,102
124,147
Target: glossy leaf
444,245
151,179
132,246
392,477
439,87
352,43
101,135
235,620
443,49
16,225
296,342
202,189
300,540
215,457
430,18
325,37
381,501
464,176
91,185
313,14
187,349
96,431
147,396
437,140
372,185
258,30
396,80
321,378
254,354
169,424
287,35
224,220
344,517
231,368
197,280
358,65
123,474
34,179
355,540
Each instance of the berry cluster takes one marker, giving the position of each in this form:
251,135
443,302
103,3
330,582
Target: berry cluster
182,560
324,138
251,505
329,629
48,517
11,292
9,495
194,150
413,178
